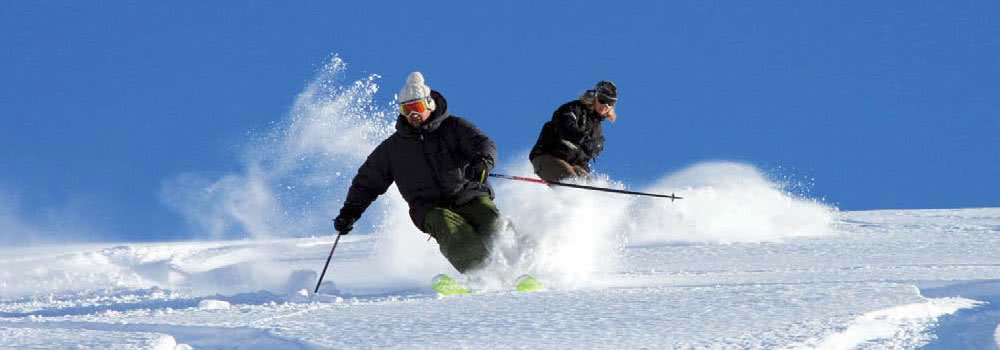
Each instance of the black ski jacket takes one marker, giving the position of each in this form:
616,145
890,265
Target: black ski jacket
428,165
574,134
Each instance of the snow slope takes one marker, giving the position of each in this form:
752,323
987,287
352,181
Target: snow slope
857,287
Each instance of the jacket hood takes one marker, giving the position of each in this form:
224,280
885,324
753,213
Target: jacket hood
431,124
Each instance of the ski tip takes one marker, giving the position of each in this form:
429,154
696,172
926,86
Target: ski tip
445,285
441,278
528,283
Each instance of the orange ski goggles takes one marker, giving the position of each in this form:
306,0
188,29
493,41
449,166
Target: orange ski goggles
418,106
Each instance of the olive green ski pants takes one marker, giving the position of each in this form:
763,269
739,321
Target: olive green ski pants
464,232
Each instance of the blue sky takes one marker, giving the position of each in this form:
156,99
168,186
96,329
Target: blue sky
878,104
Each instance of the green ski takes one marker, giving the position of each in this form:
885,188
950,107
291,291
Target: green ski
528,283
445,285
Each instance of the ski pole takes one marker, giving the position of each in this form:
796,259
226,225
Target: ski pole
528,179
327,263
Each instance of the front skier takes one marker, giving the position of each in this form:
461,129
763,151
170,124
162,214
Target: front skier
440,164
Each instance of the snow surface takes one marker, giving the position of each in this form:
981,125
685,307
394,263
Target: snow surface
857,287
745,261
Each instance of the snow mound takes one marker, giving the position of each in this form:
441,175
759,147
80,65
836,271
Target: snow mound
725,202
212,304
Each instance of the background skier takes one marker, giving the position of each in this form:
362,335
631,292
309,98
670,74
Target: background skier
440,164
573,138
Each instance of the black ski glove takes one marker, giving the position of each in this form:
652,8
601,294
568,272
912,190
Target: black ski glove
478,171
344,222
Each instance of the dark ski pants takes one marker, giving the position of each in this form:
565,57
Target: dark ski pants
550,168
464,232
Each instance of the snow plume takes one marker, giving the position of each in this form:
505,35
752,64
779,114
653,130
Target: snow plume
296,174
295,178
563,235
725,203
573,233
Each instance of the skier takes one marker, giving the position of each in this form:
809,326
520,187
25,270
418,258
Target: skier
573,138
440,164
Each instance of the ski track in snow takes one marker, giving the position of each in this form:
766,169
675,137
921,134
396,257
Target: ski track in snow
904,325
882,280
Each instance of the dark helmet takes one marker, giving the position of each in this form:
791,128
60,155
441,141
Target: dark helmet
607,92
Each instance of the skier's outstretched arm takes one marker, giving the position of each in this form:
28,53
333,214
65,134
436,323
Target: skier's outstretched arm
373,179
